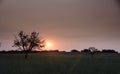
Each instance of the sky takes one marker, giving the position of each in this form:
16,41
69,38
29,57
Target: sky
68,24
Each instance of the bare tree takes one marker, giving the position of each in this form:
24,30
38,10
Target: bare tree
93,50
27,42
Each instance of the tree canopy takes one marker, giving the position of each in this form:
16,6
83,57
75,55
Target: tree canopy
27,43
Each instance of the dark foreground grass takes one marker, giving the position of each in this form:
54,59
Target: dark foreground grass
52,63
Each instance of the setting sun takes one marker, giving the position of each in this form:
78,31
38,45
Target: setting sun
49,44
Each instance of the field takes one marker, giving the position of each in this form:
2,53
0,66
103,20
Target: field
53,63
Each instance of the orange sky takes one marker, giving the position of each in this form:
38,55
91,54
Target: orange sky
69,24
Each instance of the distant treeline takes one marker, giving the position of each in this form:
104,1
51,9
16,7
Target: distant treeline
74,51
103,51
87,51
35,51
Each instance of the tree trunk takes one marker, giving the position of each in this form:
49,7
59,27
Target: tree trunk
92,54
26,54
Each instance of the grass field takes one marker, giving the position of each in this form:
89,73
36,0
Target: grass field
51,63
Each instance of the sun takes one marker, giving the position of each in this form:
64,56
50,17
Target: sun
49,44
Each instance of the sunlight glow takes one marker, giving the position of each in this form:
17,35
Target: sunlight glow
49,44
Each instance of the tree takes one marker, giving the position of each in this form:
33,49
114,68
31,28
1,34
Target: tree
110,51
74,51
27,43
86,51
93,50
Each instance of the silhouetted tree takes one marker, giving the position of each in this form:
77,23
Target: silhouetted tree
85,51
109,51
93,50
27,42
74,51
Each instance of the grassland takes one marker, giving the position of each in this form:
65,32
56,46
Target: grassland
52,63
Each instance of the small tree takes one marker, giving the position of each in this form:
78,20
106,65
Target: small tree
93,50
75,51
27,42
